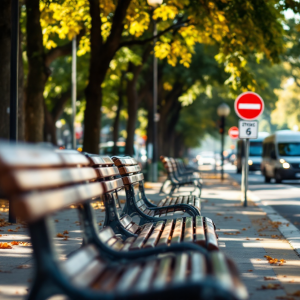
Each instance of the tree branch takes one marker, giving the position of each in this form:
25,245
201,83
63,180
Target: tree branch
142,42
59,51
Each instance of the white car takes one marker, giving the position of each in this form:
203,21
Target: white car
206,158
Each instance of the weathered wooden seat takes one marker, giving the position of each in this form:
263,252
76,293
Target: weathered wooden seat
41,182
153,229
179,181
130,170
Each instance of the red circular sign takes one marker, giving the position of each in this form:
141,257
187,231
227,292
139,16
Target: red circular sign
249,106
233,132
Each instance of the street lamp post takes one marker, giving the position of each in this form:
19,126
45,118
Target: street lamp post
223,111
154,4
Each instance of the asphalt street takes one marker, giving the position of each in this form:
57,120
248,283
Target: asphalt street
283,197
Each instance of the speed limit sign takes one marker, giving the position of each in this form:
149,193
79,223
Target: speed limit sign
248,129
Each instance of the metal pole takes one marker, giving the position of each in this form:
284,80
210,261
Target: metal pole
74,90
222,147
14,70
154,160
246,168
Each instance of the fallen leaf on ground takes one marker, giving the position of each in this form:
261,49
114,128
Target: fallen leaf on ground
232,233
5,246
66,232
122,201
244,229
100,224
24,267
65,238
56,221
250,270
60,235
271,286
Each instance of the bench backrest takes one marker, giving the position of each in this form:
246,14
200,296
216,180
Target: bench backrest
40,181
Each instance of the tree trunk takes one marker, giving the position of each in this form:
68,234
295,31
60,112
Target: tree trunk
117,118
37,74
49,127
100,58
21,98
5,42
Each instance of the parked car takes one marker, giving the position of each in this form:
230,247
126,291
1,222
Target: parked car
281,156
255,153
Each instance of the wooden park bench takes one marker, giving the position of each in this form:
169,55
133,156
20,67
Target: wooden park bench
153,229
177,181
129,166
41,182
184,169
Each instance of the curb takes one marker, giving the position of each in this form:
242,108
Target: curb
290,232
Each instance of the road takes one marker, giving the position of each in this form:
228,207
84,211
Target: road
283,197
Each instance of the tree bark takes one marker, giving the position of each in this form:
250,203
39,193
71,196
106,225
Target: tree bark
100,58
52,117
37,74
5,42
117,118
133,101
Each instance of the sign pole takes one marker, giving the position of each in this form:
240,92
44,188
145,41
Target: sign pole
246,169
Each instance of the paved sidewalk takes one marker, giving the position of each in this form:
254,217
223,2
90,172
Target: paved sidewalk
245,234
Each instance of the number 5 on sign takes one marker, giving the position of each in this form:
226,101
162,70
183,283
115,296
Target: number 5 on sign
248,129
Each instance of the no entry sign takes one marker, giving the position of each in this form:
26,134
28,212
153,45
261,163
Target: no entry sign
249,106
233,132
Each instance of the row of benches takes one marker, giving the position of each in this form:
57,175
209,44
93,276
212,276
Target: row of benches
123,260
179,175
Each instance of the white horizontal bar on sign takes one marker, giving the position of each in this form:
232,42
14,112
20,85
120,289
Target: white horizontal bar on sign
234,132
249,106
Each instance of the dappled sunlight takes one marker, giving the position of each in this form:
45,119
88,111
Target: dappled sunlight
13,290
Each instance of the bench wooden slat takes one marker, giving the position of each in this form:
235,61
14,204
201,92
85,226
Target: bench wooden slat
112,185
162,202
125,221
180,269
198,267
177,233
89,274
143,236
133,178
179,200
27,156
128,242
185,200
73,158
129,169
200,234
198,203
105,234
163,212
154,237
220,269
144,281
31,207
119,162
96,160
108,280
25,180
134,228
188,230
107,171
162,274
77,261
164,238
128,278
151,213
212,243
